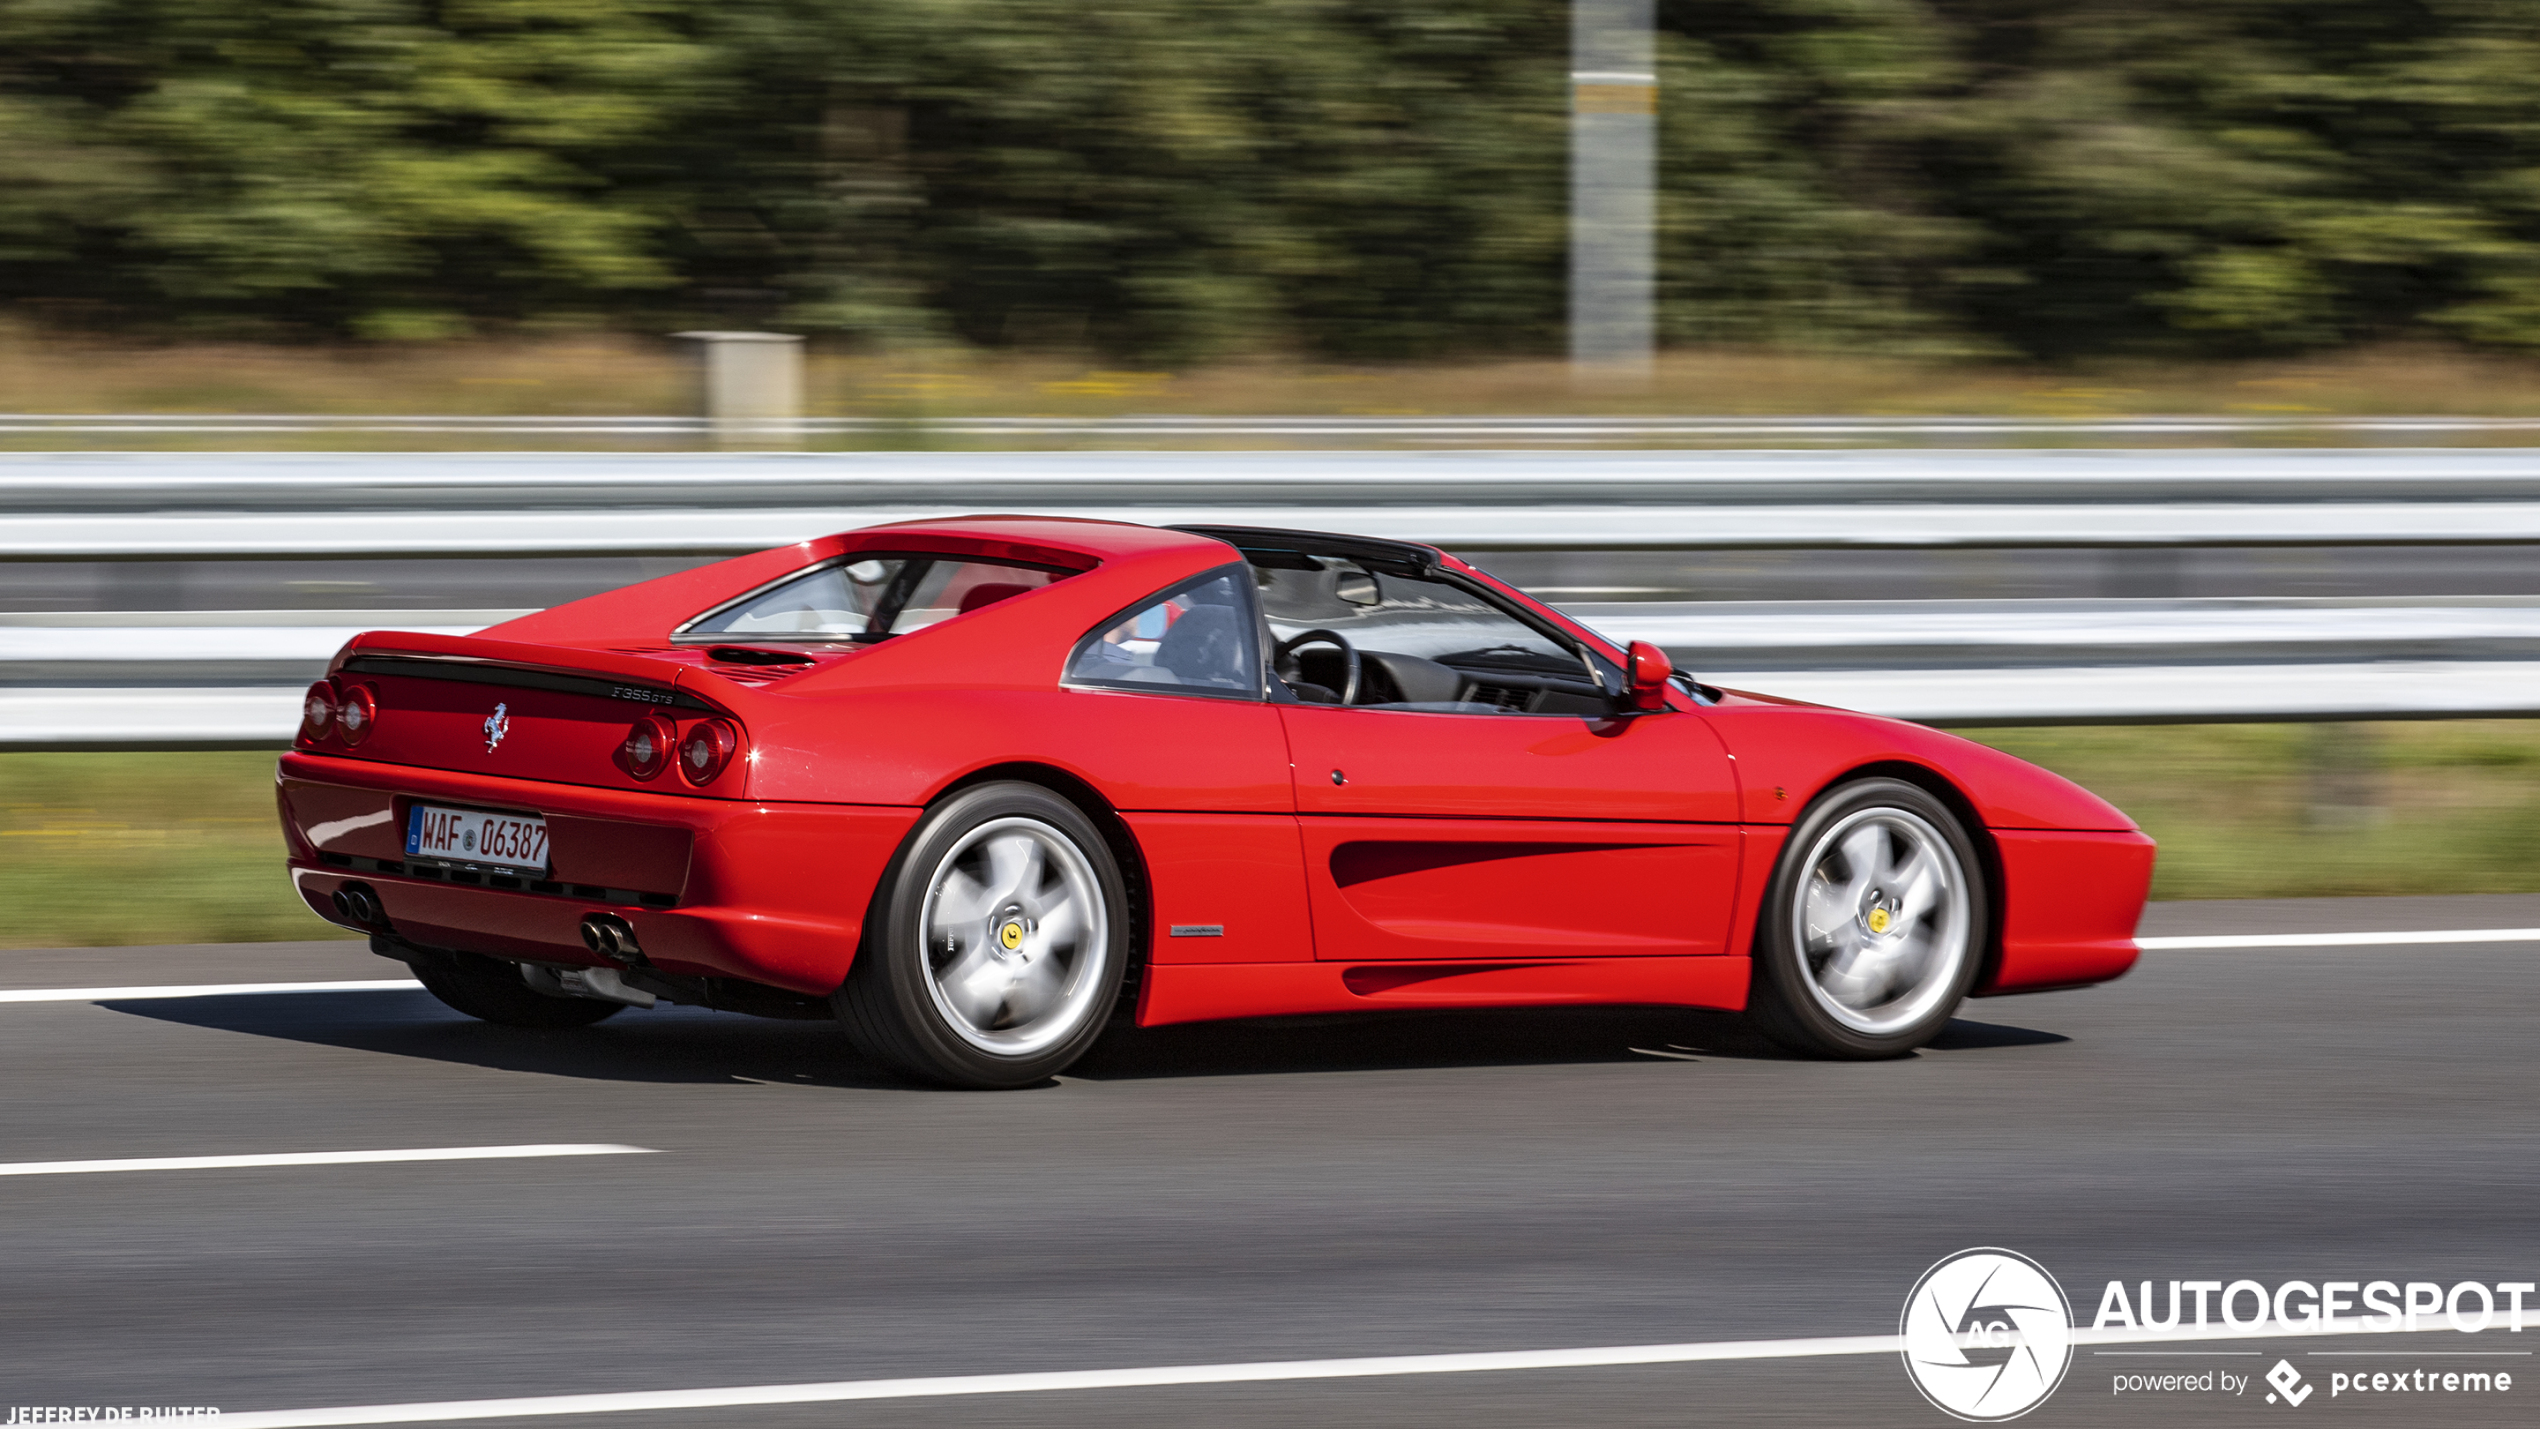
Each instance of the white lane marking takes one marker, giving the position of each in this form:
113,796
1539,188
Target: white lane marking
207,989
1257,1372
2220,941
318,1158
630,1401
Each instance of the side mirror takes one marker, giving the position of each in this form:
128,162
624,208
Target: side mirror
1649,669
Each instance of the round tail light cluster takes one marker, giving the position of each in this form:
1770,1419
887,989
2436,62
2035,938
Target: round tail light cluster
702,751
647,749
705,749
355,714
317,711
343,711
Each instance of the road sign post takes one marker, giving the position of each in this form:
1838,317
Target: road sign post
1613,168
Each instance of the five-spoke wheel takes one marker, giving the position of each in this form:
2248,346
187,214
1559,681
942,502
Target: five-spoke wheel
996,948
1873,926
1016,936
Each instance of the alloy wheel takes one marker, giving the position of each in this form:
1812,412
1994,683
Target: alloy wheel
1883,920
1016,937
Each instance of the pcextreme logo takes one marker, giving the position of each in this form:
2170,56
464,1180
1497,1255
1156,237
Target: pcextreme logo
2288,1384
1988,1335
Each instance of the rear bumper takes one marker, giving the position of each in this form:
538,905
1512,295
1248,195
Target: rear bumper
2069,909
767,892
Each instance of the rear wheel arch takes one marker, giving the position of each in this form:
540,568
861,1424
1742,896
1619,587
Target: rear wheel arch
1123,841
976,1016
1988,854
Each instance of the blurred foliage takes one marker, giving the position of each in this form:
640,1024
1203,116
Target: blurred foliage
1181,178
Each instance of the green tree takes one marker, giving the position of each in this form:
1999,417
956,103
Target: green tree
378,164
1173,178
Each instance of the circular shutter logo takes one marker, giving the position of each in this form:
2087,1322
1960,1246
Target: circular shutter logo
1988,1335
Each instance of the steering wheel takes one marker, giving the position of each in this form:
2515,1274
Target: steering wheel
1289,669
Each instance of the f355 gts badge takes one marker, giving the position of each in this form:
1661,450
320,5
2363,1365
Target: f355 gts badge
497,724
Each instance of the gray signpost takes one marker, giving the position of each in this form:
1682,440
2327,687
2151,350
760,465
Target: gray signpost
1613,169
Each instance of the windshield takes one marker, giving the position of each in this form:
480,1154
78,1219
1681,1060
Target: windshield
870,598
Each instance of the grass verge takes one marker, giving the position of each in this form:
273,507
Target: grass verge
602,375
107,849
100,850
2315,810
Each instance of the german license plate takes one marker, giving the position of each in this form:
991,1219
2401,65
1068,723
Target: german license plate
473,838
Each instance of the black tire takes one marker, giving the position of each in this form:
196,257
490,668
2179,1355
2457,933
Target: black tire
1889,957
939,1013
490,990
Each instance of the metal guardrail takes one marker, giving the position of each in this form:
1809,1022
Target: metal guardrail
233,678
219,505
213,678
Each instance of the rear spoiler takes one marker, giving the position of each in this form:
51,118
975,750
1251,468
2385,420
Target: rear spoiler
474,660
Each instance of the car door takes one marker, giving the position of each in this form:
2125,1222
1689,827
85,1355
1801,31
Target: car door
1171,717
1484,799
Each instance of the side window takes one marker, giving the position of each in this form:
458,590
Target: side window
951,588
835,602
869,599
1199,640
1380,636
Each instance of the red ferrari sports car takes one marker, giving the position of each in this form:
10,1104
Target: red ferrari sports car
970,786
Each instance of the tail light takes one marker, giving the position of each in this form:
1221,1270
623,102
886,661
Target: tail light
317,711
705,749
647,748
356,713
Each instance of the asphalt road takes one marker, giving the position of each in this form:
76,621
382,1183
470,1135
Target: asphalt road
1245,1192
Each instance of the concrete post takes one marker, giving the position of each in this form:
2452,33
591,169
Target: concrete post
2343,785
1613,202
752,387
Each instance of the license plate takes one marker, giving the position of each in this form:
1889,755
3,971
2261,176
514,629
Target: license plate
473,838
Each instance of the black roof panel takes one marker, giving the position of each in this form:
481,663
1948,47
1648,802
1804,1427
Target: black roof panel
1270,539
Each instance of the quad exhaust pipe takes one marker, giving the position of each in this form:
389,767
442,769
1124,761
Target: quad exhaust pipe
611,937
356,903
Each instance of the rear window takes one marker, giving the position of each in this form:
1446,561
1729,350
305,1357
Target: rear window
869,598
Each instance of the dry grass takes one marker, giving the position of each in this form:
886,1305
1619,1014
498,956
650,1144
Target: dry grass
596,377
602,376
